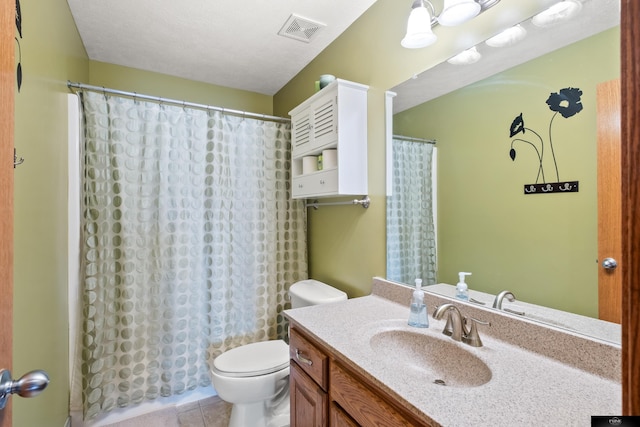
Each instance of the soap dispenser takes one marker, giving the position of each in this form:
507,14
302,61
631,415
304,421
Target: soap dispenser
462,290
418,315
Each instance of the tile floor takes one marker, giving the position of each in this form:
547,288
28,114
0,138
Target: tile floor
209,412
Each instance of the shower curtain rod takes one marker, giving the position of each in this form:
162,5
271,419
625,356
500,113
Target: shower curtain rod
134,95
410,138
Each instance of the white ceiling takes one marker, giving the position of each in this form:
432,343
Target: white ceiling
229,43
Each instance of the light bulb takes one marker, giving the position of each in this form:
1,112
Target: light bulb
456,12
419,33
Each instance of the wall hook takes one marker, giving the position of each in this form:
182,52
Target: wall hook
16,161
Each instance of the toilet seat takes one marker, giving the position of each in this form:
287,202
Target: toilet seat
254,359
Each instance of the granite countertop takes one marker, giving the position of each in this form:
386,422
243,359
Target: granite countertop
526,388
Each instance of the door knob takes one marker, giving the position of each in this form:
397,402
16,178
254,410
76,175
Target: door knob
30,384
609,263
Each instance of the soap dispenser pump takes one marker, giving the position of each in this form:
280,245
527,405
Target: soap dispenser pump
418,315
462,290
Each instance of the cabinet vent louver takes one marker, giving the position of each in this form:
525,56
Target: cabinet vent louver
300,28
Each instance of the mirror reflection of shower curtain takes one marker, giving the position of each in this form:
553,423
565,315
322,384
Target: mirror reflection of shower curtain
189,243
411,238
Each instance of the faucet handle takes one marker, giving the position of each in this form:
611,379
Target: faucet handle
448,327
472,337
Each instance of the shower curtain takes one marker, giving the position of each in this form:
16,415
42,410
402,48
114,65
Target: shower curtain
411,243
189,243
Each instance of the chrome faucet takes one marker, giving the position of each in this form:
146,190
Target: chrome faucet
455,326
497,303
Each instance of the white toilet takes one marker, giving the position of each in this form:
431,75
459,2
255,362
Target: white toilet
255,377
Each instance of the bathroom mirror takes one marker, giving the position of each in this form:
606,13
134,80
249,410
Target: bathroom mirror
541,247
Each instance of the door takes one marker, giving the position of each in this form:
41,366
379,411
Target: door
630,97
609,202
7,88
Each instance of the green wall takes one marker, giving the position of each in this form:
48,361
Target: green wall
51,53
541,247
162,85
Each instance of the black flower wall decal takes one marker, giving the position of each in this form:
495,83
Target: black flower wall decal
566,102
517,126
19,28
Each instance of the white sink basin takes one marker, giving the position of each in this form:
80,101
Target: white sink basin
438,359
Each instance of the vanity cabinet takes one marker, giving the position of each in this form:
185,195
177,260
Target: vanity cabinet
324,392
335,118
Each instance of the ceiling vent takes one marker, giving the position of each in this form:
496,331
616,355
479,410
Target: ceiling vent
300,28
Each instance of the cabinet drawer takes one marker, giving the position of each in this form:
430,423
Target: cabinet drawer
311,359
315,184
363,405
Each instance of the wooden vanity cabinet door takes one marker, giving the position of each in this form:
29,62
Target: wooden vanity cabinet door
309,403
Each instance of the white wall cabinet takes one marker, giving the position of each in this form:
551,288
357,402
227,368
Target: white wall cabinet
335,118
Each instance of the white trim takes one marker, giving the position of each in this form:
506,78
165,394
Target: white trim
434,199
388,109
73,224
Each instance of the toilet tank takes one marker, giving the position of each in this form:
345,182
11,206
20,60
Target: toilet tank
313,292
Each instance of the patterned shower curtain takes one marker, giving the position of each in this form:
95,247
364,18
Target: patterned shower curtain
190,241
411,245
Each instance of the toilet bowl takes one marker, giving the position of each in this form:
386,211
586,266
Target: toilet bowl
255,377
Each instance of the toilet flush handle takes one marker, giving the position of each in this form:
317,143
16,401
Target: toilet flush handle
303,359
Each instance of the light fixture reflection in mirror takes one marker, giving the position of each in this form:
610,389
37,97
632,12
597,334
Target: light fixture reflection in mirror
508,37
469,56
557,13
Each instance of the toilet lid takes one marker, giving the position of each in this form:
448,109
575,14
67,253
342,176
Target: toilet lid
254,359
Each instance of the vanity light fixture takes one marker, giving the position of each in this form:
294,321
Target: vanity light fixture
507,37
423,17
559,12
469,56
419,32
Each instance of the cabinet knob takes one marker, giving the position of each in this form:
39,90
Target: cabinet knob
300,185
322,181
